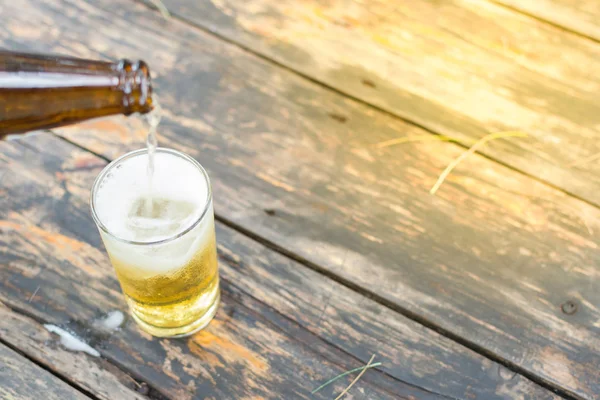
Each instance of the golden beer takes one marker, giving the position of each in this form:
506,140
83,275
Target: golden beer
160,238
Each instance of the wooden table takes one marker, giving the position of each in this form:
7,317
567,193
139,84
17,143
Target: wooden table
331,247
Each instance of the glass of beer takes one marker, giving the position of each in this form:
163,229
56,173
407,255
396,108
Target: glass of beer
158,229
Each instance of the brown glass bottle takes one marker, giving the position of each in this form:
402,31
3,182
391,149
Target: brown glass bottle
40,91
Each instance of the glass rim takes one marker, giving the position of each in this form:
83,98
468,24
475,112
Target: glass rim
136,153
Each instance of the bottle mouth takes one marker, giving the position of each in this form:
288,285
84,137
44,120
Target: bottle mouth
145,101
135,83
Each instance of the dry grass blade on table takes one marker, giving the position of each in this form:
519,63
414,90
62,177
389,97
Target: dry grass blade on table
161,7
471,150
356,379
33,294
361,369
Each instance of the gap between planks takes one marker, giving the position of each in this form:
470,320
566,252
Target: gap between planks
332,345
374,107
326,341
543,20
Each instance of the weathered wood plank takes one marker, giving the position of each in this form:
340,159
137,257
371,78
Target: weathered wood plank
282,329
96,376
459,68
490,259
20,379
579,16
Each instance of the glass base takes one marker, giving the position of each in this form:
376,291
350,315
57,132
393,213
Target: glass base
181,331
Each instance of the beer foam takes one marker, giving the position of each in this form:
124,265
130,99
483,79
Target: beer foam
180,194
110,322
72,342
126,186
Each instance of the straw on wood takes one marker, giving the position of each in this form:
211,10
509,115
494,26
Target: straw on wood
471,150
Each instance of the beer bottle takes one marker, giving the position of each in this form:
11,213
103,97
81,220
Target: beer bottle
41,91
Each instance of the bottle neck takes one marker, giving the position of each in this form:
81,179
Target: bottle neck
40,92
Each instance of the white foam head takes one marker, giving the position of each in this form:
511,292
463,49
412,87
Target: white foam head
180,197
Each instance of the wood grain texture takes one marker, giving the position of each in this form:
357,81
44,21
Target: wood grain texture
281,331
20,379
96,376
580,16
490,259
459,68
